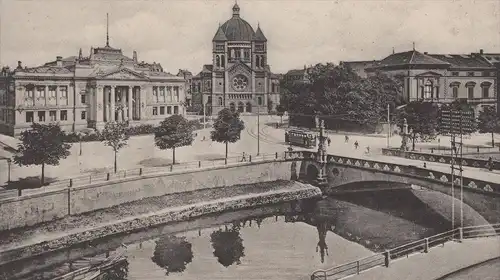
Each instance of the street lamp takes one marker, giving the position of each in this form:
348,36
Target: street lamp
258,129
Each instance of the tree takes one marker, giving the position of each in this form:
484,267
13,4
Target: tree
115,136
280,109
174,132
42,144
227,127
422,119
489,122
172,253
228,246
269,105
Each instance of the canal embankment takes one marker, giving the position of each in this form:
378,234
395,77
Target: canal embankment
137,215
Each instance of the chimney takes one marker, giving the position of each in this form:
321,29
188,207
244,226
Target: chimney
481,51
59,61
135,56
19,65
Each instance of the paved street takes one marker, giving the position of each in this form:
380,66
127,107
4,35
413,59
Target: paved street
141,152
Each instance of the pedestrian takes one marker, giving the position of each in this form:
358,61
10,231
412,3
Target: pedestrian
244,158
425,165
368,149
356,144
203,138
490,163
346,138
329,141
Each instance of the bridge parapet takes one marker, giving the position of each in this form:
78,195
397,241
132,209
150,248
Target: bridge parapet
399,169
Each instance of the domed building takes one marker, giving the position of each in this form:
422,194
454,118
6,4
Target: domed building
239,77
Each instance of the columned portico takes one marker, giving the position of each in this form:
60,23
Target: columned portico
119,103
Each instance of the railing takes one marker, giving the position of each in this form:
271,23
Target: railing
130,173
406,250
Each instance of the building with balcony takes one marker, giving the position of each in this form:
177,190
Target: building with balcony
79,92
239,77
444,78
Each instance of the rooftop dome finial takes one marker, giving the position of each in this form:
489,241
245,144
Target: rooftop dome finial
236,9
107,30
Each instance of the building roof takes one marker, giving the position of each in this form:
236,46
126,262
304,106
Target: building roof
236,28
409,58
219,35
462,60
259,35
296,72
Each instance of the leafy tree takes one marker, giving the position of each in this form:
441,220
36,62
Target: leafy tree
280,109
422,119
42,144
227,127
228,246
269,105
489,122
172,253
174,132
115,136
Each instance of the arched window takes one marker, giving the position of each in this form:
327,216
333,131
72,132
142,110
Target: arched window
470,89
259,101
232,53
262,61
485,86
249,107
241,107
257,60
223,61
220,101
217,61
427,93
232,107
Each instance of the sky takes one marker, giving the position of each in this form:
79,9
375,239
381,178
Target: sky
178,33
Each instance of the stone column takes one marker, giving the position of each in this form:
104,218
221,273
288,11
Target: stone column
99,108
46,96
105,105
112,107
142,102
57,97
129,91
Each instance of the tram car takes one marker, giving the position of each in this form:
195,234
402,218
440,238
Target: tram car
298,137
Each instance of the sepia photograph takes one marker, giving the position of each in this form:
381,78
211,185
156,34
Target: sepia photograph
249,139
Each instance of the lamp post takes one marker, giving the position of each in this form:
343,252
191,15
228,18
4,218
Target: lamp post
388,125
258,129
8,175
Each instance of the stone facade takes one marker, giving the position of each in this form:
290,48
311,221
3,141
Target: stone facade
239,77
79,92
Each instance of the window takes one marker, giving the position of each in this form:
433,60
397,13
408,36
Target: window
259,100
83,115
162,94
176,110
470,92
486,73
240,83
169,94
82,98
41,116
262,61
169,110
52,92
40,92
29,91
155,94
155,111
217,61
486,92
237,53
470,74
427,90
64,91
29,117
246,53
52,116
162,110
220,101
176,94
257,62
455,92
64,115
454,74
223,61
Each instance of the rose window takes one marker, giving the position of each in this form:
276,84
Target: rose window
240,82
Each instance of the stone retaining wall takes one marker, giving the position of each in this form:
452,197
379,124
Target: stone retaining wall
298,191
31,209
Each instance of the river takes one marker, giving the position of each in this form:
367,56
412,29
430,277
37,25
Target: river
271,242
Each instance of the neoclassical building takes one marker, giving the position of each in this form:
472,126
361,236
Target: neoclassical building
79,92
239,77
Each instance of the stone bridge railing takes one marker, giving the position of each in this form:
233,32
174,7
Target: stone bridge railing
399,169
430,157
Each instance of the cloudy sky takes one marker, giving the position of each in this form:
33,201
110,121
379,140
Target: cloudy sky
178,33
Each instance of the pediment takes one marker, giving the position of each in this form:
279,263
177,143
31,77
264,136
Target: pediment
429,74
123,74
241,68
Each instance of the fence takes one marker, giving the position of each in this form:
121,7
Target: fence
419,246
130,173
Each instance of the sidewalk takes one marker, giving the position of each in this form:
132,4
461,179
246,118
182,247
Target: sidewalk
438,262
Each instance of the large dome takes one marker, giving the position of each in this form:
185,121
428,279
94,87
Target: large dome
236,28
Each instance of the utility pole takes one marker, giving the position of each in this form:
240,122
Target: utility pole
258,129
461,173
388,125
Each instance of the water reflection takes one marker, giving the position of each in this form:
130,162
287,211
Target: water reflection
172,253
228,244
119,271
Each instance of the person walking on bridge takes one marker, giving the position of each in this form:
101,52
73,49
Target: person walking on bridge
244,157
346,138
356,144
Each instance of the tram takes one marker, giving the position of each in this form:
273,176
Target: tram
298,137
